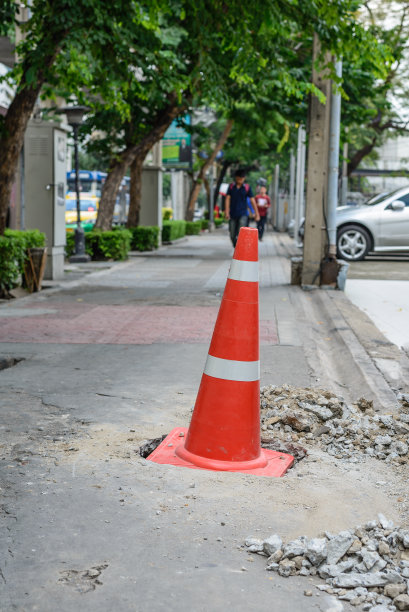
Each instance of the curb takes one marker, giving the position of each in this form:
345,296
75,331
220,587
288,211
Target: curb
336,348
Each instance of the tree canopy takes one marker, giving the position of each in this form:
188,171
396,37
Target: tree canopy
138,65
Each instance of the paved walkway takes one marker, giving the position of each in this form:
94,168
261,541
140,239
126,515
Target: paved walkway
115,357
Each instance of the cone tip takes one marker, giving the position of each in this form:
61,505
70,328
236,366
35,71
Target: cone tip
247,244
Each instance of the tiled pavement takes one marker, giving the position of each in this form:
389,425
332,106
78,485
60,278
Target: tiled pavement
144,301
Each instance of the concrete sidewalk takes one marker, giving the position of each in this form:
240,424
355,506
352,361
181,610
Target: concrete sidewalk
114,357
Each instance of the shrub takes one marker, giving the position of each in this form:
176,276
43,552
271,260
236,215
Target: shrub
204,224
69,244
13,254
99,245
114,244
172,230
193,227
144,238
221,215
167,213
218,222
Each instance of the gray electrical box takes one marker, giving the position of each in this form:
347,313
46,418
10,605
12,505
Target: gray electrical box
45,150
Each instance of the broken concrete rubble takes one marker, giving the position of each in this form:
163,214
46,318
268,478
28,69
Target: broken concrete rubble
366,565
350,432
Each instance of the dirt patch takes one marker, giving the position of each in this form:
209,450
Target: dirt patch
83,581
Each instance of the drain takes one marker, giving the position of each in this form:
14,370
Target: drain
9,362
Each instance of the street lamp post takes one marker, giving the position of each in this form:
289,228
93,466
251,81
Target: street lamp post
74,116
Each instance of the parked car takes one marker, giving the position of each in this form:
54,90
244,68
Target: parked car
380,225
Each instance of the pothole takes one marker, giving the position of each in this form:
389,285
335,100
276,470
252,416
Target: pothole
9,362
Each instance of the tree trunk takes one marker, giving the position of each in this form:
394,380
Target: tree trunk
135,192
132,153
197,183
359,155
110,190
208,199
13,130
226,165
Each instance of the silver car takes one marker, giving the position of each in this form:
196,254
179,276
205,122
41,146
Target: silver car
380,225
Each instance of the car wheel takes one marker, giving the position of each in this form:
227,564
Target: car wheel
353,243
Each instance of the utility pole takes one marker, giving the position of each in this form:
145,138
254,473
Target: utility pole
318,143
333,166
291,195
279,220
299,183
344,184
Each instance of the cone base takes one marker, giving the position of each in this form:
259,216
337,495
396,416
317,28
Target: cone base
167,453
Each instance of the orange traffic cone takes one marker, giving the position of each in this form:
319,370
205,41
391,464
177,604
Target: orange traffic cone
224,432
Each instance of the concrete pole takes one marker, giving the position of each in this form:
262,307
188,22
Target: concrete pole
315,234
333,166
174,192
211,211
299,184
278,212
291,195
344,183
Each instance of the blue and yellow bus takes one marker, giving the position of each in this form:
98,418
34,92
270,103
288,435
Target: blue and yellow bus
91,181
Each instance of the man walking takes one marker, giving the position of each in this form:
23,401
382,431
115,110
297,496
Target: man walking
236,211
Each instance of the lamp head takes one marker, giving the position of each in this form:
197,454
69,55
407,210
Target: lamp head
74,114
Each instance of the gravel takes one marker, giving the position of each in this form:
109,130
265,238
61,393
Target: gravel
367,565
316,417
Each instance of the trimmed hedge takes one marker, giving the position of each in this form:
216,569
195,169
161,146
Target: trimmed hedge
218,222
172,230
193,228
205,224
114,244
144,238
13,254
167,213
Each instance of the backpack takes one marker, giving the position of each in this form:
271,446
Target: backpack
246,186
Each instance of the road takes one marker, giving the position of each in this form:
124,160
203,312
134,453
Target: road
380,287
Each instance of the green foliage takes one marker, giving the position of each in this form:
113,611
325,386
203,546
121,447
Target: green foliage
13,254
99,245
218,222
144,238
204,224
29,238
166,185
70,244
193,228
115,244
172,230
167,213
92,161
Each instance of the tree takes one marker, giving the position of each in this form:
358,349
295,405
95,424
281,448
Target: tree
201,175
50,28
275,98
189,58
375,109
199,60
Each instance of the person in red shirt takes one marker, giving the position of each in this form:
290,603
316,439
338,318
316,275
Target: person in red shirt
263,204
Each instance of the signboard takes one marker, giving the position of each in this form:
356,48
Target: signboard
177,146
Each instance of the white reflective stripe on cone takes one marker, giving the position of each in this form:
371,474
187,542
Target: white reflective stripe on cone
244,270
228,369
